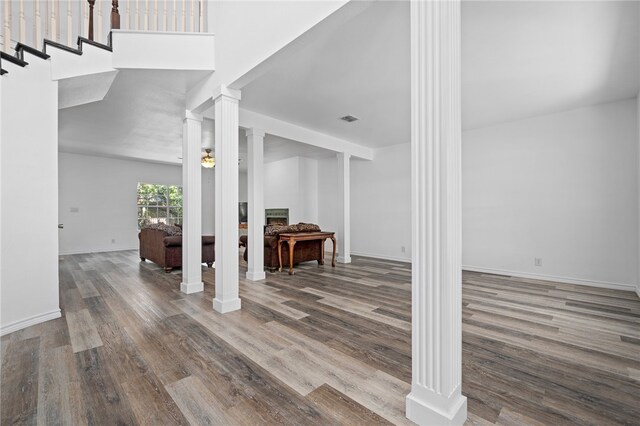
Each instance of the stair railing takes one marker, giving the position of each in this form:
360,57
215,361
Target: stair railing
31,21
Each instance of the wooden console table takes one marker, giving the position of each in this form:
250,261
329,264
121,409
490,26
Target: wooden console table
294,237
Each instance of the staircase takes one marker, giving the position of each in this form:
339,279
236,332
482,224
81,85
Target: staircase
60,20
20,49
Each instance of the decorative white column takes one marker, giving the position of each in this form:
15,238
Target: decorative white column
255,175
226,153
344,208
436,397
192,204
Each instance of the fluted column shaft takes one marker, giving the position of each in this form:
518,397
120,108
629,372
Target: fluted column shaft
255,177
192,204
436,396
226,247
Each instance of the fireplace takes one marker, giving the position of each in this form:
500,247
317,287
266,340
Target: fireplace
276,216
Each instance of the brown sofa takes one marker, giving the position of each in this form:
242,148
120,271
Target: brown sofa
304,251
163,246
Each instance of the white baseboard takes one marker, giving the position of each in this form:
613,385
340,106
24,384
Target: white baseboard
381,256
101,250
28,322
577,281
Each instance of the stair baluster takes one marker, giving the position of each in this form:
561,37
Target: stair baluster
175,16
6,41
165,18
23,24
201,10
192,20
69,23
91,4
155,16
184,16
37,25
115,16
99,23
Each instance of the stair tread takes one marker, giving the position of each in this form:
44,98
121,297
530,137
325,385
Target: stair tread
3,71
20,47
60,46
82,40
13,59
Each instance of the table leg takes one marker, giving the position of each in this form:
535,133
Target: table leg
321,261
333,260
292,244
279,255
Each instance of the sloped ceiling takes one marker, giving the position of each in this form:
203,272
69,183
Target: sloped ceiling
519,59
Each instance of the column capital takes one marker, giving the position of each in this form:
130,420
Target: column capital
344,155
255,132
223,91
188,115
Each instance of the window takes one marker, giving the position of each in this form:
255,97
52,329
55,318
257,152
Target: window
159,204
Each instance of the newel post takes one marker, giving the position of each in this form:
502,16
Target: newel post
91,4
115,16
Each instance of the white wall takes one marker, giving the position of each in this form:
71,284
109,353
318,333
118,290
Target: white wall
243,186
328,194
29,193
292,183
308,189
638,171
104,192
380,202
560,187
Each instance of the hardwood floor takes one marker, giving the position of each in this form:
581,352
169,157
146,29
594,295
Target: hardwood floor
325,346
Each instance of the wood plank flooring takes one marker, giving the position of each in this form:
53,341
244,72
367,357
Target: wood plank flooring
325,346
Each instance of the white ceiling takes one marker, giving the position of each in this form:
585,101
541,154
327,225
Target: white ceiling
519,59
140,117
361,69
524,59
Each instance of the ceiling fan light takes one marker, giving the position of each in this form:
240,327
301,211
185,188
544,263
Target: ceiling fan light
208,162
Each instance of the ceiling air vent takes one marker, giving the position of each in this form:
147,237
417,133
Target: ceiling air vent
349,118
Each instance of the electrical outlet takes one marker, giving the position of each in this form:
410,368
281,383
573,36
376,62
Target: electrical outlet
402,249
537,261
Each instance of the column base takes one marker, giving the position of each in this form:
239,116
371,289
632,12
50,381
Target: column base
256,276
424,413
341,259
189,288
226,306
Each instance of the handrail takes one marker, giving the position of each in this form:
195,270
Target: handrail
63,20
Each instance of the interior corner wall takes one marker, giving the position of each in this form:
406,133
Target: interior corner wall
29,194
561,188
103,191
328,195
380,202
292,183
638,182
